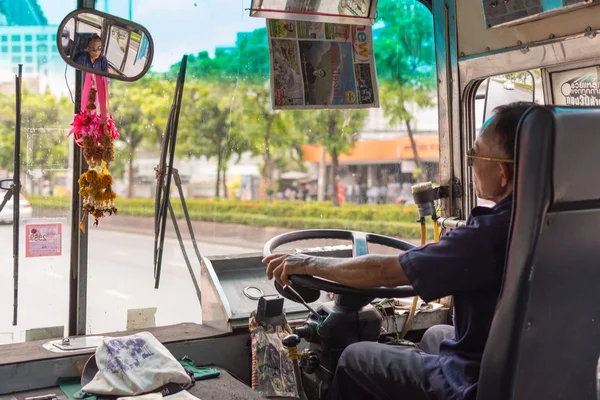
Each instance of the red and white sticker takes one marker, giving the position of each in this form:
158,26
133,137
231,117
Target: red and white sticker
43,240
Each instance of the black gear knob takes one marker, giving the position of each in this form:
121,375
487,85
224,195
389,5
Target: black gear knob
291,341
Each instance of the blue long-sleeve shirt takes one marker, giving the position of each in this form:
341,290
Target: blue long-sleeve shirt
468,263
101,62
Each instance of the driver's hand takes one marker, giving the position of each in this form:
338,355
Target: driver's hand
281,266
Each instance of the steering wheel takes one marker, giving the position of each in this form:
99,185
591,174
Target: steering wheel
309,287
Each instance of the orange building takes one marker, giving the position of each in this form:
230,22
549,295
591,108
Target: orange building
390,151
379,170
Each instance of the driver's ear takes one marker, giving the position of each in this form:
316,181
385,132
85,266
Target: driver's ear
506,174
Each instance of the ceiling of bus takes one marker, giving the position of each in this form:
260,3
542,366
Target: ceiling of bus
475,38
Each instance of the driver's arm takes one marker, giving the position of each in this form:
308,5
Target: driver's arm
465,260
360,272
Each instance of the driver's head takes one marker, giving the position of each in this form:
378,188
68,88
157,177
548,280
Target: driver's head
492,155
94,47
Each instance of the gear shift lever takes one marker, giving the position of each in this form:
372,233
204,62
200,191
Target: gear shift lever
291,342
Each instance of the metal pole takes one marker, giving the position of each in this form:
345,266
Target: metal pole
79,239
75,218
17,195
131,10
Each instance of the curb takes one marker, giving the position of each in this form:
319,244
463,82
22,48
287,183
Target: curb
208,232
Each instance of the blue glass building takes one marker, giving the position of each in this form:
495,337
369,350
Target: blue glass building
27,38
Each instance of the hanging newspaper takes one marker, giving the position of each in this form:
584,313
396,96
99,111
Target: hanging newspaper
318,66
354,12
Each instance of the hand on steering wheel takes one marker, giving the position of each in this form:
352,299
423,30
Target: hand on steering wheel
284,271
281,266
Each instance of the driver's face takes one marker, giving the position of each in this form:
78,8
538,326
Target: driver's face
492,180
94,48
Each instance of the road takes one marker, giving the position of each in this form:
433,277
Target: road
498,96
120,278
115,55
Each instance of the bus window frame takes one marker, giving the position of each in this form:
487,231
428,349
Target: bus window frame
549,56
469,136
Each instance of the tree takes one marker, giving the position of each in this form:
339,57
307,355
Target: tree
136,108
336,131
405,54
271,133
245,64
206,128
45,122
248,61
7,130
395,97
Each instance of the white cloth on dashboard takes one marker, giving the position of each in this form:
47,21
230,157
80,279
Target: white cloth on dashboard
134,365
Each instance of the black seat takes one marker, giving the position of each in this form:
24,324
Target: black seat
544,341
80,44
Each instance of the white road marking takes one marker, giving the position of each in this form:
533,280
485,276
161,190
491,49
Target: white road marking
116,294
54,275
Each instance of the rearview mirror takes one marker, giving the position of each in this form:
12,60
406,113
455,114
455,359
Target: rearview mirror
96,42
6,184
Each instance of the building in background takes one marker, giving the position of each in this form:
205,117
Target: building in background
27,38
381,167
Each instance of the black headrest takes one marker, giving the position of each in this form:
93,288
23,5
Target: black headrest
576,153
550,293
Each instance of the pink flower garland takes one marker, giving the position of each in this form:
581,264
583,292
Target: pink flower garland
89,123
112,128
86,123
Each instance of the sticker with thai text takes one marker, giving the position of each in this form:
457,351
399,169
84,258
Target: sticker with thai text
43,240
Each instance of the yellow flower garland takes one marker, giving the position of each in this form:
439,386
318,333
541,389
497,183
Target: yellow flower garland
95,185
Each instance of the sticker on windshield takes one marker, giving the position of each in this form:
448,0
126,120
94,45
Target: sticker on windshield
43,240
579,87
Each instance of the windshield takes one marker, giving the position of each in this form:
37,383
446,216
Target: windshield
248,172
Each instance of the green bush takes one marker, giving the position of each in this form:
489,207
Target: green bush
392,220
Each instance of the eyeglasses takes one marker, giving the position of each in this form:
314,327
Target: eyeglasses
95,48
472,156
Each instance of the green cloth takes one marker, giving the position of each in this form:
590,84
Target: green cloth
72,389
200,373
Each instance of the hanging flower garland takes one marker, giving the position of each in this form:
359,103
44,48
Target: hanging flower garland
96,133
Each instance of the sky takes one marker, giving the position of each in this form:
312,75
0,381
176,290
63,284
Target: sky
177,27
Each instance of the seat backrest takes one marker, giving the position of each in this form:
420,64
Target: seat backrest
80,44
544,341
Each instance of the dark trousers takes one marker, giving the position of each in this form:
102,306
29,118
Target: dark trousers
373,371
